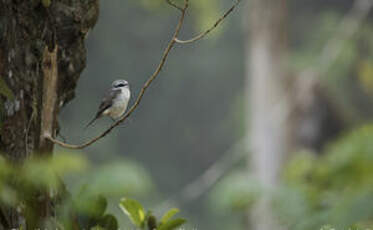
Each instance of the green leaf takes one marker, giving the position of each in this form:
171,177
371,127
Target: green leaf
109,222
172,224
168,215
134,210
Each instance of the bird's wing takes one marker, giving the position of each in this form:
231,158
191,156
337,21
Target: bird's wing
107,101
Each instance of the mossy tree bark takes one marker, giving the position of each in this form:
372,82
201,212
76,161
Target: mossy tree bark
30,30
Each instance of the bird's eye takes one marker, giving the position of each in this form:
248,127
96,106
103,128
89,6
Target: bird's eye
120,85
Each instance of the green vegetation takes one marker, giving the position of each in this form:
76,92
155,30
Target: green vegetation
333,189
141,219
87,209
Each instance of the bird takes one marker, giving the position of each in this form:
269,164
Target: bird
114,102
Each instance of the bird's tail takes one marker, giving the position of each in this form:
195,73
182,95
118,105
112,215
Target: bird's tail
91,122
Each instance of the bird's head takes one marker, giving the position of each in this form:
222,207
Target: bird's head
120,84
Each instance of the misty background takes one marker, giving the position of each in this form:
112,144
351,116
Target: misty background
196,110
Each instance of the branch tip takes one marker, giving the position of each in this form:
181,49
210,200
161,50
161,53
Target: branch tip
169,2
203,34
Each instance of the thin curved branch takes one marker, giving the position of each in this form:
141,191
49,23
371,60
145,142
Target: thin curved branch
142,92
203,34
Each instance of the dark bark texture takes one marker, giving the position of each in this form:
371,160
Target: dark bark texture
27,28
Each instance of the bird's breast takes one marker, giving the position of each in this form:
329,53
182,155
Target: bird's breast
120,104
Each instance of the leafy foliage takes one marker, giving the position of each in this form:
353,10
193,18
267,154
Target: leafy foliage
335,188
21,183
168,215
136,213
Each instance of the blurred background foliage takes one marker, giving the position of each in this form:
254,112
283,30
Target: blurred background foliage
334,188
194,113
84,205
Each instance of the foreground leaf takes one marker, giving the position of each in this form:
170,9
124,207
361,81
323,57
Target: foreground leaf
134,210
168,215
172,224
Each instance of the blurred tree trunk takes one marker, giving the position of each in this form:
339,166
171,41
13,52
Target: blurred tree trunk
268,86
29,32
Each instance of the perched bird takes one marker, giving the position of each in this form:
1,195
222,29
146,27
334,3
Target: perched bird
115,101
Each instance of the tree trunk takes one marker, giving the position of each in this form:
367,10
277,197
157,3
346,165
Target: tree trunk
269,110
29,33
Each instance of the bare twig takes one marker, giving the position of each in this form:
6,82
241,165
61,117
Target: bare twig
174,5
203,34
143,89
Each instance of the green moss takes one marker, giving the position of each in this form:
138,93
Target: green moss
2,115
46,3
4,90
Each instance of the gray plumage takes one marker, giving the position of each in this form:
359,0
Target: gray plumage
114,102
